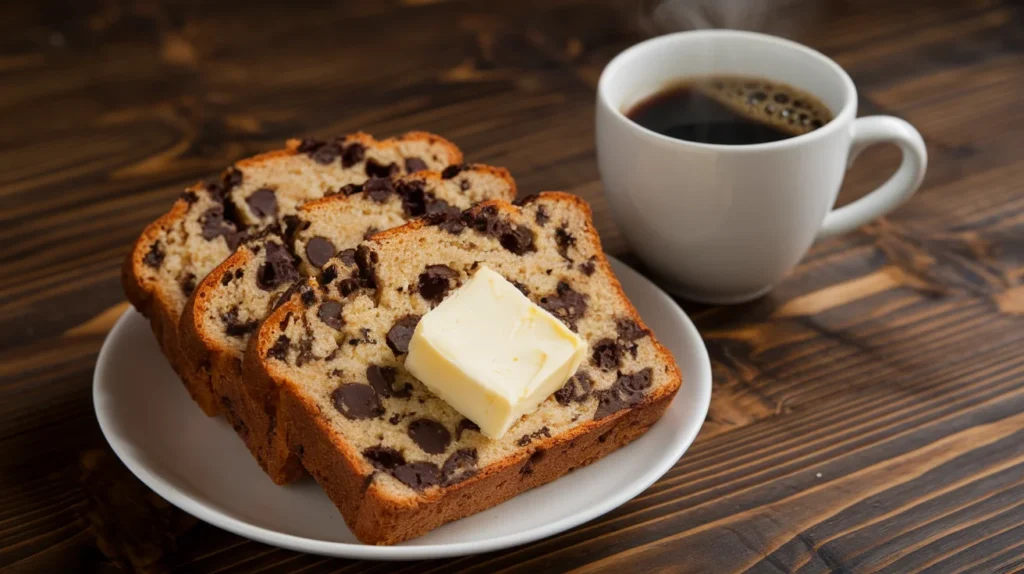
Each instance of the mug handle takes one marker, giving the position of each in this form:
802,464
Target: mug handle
866,132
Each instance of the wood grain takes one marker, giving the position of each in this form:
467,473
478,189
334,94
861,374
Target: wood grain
867,415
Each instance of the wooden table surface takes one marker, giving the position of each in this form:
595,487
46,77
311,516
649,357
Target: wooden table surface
868,415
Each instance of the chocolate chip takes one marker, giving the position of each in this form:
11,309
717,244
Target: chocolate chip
263,202
588,267
213,224
347,286
429,435
379,189
575,390
451,171
449,220
384,458
382,379
374,169
348,257
188,284
459,466
292,225
231,178
319,251
287,294
306,294
528,438
608,402
568,304
215,190
522,288
226,278
527,200
328,275
465,425
309,145
279,350
326,154
414,164
437,206
518,240
414,197
541,217
418,475
370,232
486,220
352,154
401,333
330,313
350,189
435,282
278,268
629,330
453,226
628,390
190,197
357,401
536,457
564,240
235,328
636,382
607,355
366,257
155,256
515,238
395,419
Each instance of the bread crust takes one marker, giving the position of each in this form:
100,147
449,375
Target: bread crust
376,516
260,430
147,297
155,305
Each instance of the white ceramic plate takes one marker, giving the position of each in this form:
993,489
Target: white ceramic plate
200,465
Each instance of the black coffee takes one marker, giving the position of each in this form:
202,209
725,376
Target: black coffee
730,110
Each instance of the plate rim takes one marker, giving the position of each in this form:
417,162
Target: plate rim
212,515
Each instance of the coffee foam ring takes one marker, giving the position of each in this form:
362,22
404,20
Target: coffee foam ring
778,107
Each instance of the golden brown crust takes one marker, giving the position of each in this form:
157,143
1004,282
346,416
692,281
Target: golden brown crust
147,297
378,517
204,357
154,305
382,520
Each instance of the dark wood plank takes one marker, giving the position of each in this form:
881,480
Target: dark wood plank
867,415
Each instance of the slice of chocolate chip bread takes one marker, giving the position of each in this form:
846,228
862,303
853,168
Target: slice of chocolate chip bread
394,458
231,302
205,225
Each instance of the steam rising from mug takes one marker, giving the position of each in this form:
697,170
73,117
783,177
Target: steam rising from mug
780,17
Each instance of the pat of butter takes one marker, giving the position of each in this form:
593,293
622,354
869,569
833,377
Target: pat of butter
491,353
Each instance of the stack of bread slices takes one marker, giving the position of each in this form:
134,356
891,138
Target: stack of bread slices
285,294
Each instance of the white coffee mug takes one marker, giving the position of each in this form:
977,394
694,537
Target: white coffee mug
724,223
